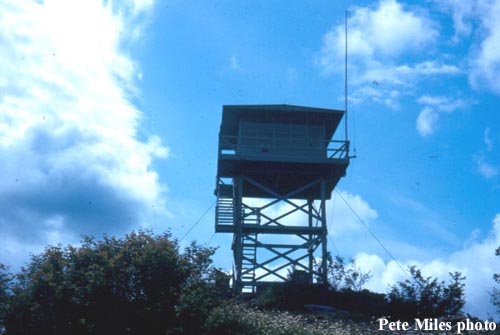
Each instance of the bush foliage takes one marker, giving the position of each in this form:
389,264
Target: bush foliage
426,297
140,284
495,294
344,275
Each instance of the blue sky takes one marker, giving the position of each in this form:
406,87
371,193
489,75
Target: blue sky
109,116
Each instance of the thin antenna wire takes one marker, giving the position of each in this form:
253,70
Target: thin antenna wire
329,224
345,80
198,221
334,245
210,240
373,235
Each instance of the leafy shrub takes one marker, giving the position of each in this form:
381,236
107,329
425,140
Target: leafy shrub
345,276
200,293
426,297
132,285
495,294
5,282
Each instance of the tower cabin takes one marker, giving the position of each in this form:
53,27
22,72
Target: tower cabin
282,147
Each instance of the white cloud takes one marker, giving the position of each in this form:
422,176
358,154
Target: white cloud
427,68
378,37
476,261
404,75
434,107
382,83
426,121
486,163
388,97
445,104
487,170
393,29
234,63
68,131
461,11
487,139
341,218
387,30
141,6
479,18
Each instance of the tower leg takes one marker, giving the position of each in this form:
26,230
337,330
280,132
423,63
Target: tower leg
310,249
324,232
238,234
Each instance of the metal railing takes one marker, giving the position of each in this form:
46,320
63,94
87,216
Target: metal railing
330,149
338,149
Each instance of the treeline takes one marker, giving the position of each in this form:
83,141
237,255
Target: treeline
144,284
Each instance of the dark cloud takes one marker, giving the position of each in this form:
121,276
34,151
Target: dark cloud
71,161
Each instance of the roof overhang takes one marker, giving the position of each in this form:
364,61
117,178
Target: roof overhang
232,114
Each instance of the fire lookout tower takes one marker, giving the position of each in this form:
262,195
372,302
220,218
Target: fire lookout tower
277,166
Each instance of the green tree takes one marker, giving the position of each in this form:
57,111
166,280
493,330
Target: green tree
495,294
345,276
199,292
426,297
5,283
130,285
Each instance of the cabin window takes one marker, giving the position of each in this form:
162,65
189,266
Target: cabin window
281,139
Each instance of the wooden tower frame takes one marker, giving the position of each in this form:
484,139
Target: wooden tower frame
277,166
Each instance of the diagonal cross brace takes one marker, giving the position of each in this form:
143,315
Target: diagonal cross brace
280,197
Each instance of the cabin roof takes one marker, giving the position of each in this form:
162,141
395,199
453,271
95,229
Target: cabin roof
232,114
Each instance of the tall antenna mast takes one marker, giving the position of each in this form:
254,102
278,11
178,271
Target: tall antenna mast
345,81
